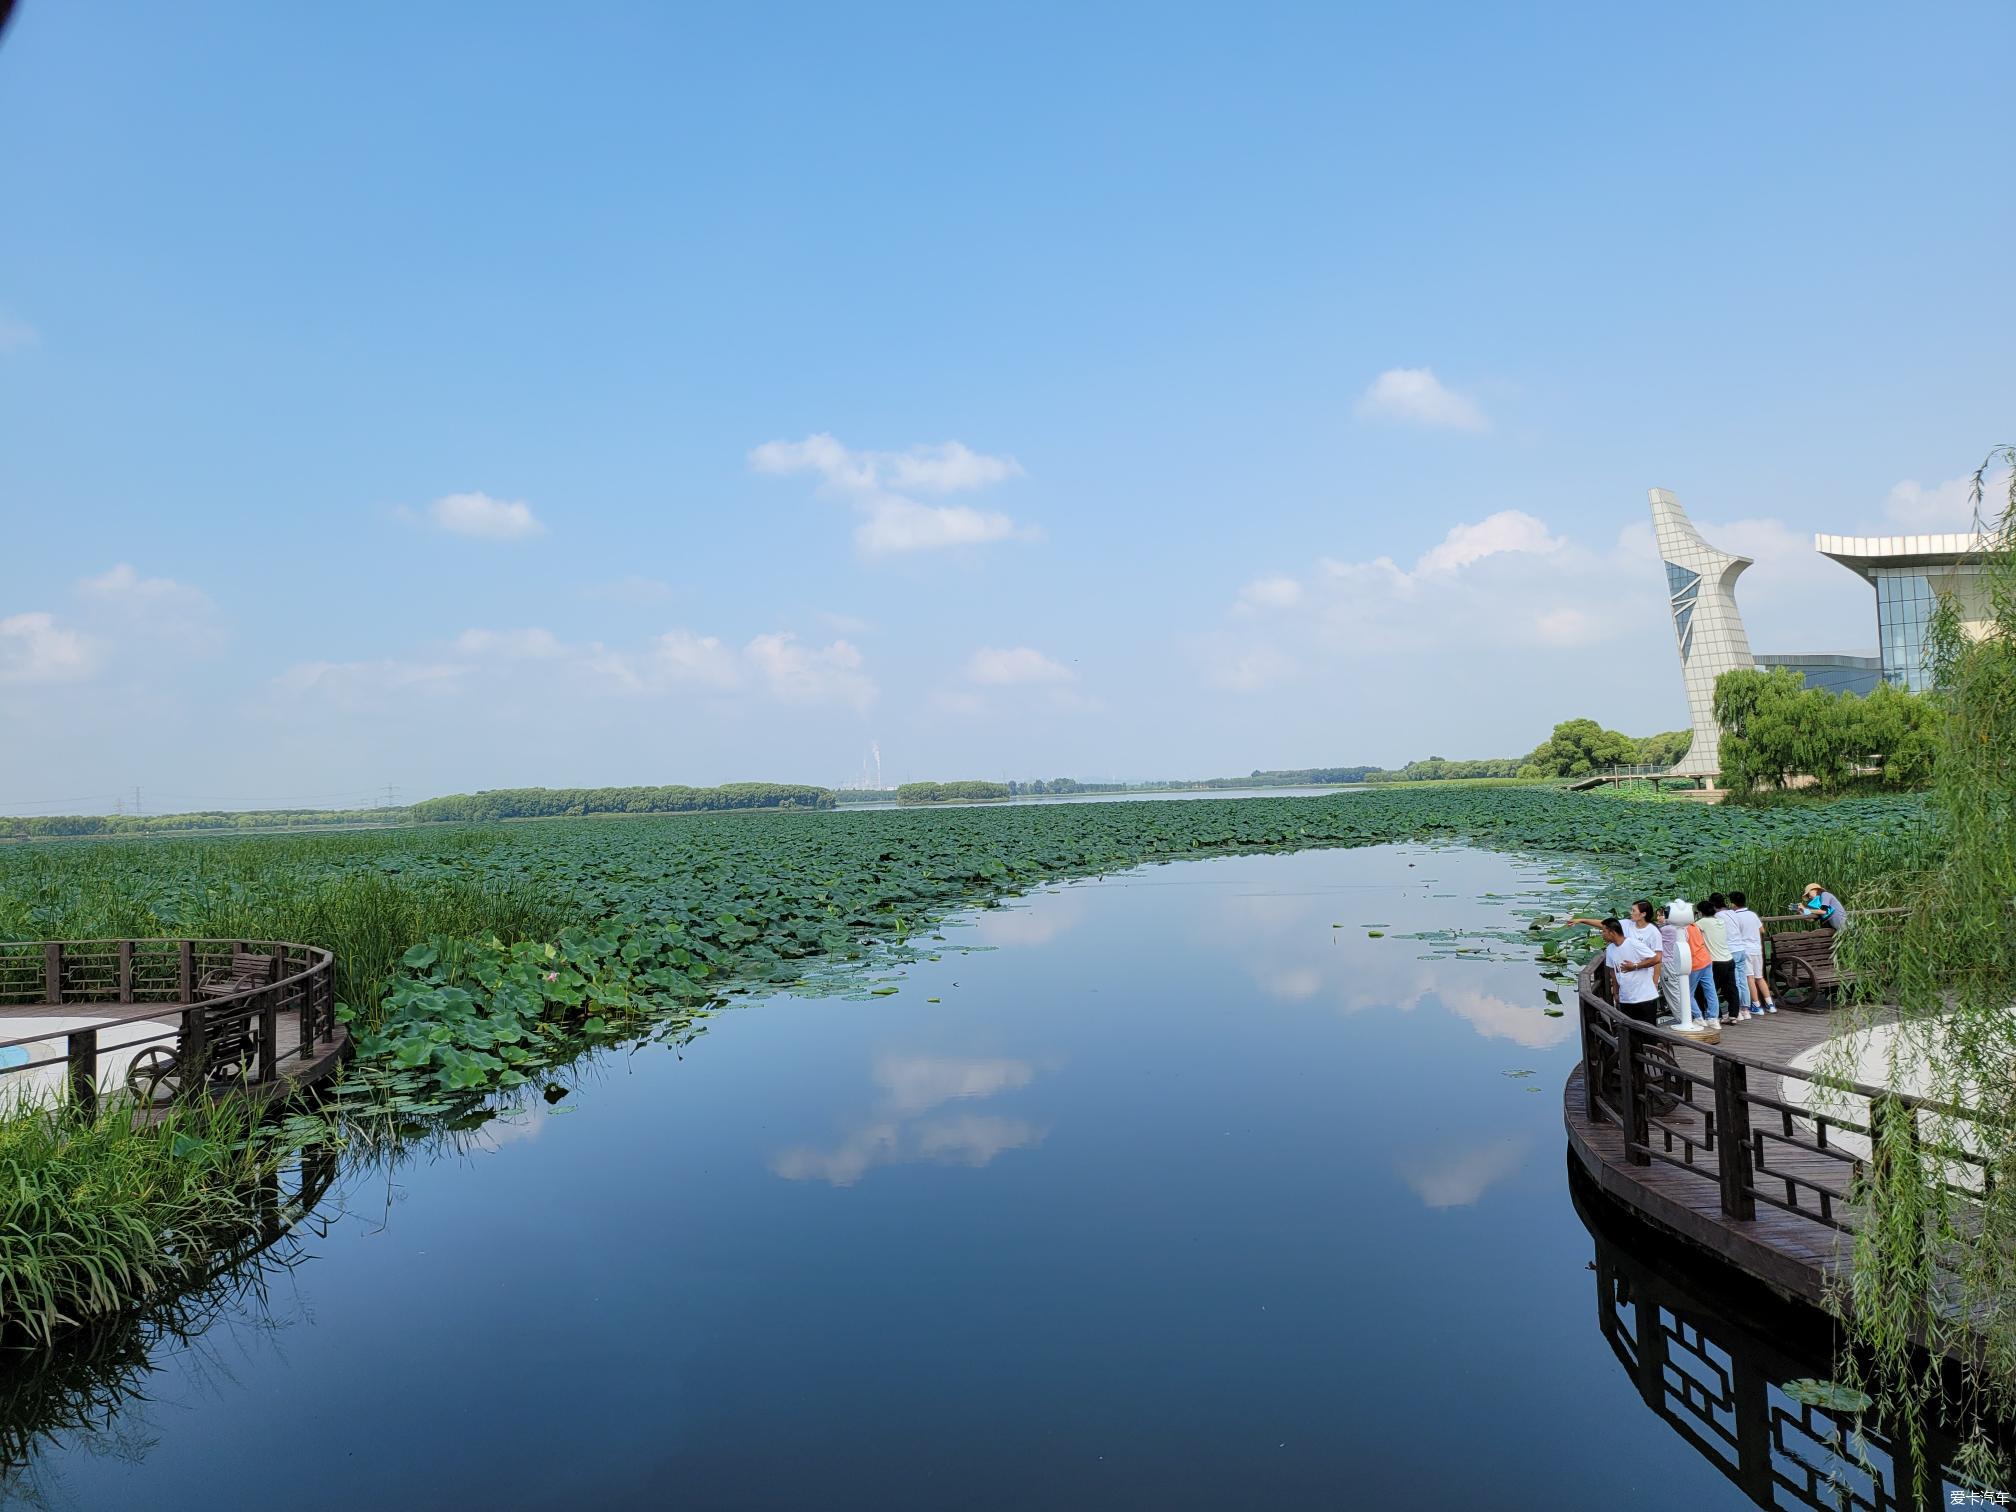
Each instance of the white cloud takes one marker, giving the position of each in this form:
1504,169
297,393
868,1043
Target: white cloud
1947,506
162,608
1507,530
811,675
676,659
35,649
898,525
948,467
1415,396
879,485
1271,593
1016,665
530,644
1505,581
483,518
17,335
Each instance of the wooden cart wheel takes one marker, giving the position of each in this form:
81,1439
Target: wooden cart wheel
150,1071
1793,983
1665,1087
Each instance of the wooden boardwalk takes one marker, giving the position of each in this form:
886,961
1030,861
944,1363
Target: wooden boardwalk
1727,1155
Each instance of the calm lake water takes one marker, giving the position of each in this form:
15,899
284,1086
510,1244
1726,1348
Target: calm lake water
1179,1196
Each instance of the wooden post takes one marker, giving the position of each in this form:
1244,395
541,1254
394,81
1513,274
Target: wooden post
1631,1076
269,1034
308,1002
84,1071
194,1061
1590,1075
52,972
125,971
1732,1138
185,972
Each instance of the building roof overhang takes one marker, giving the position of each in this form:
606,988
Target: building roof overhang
1862,555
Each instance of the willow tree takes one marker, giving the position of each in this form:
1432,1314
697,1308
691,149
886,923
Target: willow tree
1935,1256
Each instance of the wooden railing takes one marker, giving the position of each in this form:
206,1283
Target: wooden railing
121,982
1756,1148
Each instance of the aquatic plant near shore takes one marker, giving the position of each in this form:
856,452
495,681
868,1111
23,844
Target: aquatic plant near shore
100,1212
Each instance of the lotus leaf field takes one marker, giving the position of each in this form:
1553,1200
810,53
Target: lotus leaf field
473,956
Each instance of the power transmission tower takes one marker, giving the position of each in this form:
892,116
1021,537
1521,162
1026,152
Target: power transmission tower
136,800
391,795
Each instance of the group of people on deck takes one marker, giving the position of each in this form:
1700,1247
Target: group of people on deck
1696,966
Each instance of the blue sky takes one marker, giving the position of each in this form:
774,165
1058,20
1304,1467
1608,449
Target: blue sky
453,398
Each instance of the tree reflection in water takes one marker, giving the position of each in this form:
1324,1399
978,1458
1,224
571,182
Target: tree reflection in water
1711,1351
80,1388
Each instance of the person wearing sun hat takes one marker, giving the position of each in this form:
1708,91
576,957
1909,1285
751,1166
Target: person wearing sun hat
1823,908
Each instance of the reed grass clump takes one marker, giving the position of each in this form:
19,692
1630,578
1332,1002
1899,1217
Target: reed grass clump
98,1213
366,897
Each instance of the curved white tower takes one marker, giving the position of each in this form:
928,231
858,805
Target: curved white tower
1701,584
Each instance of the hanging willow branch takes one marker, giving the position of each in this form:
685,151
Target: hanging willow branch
1935,1256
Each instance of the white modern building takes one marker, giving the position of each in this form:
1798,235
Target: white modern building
1701,588
1910,575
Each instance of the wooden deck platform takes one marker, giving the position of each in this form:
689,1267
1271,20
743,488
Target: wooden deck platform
166,1019
1742,1165
1791,1252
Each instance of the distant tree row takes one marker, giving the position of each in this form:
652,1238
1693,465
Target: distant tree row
550,803
1052,785
1775,730
950,792
59,826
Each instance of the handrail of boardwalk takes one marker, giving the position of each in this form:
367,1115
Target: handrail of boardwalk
1754,1147
146,981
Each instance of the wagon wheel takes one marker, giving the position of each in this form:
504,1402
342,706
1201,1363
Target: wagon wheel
1665,1087
150,1071
1794,984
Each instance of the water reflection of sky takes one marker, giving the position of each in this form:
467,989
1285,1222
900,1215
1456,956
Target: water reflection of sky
1178,1195
909,1120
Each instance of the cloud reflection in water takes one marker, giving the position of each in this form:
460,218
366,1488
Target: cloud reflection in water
896,1133
1458,1175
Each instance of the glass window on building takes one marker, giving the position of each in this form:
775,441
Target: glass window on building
1905,604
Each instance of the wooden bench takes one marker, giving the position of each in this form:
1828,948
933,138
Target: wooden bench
230,1030
1799,963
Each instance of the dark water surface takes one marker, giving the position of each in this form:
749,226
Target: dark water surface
1180,1197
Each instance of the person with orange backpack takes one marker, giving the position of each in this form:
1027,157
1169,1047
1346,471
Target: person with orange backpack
1700,966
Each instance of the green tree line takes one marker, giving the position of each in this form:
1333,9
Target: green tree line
549,803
